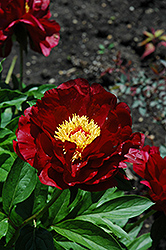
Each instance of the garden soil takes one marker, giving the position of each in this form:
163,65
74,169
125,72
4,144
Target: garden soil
92,33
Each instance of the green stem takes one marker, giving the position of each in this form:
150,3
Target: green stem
21,68
143,218
11,70
34,217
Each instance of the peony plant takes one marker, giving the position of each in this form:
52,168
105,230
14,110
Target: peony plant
66,154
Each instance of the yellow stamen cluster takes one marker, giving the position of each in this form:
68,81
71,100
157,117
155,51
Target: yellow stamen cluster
26,7
78,130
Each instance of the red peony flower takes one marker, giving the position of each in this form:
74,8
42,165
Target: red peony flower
76,135
24,18
148,164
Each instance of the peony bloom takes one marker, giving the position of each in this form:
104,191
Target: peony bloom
76,135
148,164
24,18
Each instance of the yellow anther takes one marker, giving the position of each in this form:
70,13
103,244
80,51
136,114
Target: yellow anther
79,130
26,7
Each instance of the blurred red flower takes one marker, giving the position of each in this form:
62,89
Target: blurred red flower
77,135
27,18
148,164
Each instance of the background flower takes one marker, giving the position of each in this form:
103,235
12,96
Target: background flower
27,18
148,164
77,135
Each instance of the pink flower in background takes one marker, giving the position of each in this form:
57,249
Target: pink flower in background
148,164
27,18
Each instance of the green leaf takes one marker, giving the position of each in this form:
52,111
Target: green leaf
40,196
143,242
73,193
13,124
24,208
120,208
162,151
136,104
6,141
58,246
158,33
101,46
35,239
85,202
107,225
1,67
4,133
60,209
10,98
142,111
70,245
111,46
132,234
108,195
3,225
14,222
11,231
38,92
31,103
6,117
19,184
87,234
158,230
63,209
6,161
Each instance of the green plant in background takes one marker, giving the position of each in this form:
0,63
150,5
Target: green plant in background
102,48
154,39
148,94
120,67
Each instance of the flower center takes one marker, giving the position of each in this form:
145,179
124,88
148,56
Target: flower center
26,8
79,130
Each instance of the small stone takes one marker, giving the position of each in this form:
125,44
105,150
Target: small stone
140,119
109,37
55,15
28,64
28,72
136,39
103,5
110,21
129,26
151,137
84,22
60,72
75,21
147,225
131,8
149,11
51,81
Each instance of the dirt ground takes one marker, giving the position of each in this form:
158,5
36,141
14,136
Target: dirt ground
85,26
